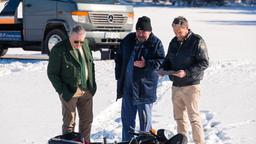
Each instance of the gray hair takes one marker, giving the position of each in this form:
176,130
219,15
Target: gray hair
180,20
77,29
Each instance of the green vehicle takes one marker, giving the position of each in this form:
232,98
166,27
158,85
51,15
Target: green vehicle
44,23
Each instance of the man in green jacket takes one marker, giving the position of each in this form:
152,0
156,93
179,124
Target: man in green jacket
71,72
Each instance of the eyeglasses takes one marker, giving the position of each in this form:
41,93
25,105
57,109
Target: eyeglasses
79,42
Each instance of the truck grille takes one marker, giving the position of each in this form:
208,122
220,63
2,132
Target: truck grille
108,21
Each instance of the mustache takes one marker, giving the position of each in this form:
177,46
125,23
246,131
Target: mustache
141,39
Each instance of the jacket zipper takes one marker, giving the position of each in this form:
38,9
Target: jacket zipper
179,48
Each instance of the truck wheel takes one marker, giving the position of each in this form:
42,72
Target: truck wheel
52,38
3,51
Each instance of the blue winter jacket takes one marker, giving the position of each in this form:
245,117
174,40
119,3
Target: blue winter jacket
144,79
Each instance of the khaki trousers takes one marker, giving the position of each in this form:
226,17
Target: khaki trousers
82,100
186,108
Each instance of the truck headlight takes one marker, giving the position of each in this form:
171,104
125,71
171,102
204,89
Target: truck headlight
130,18
80,16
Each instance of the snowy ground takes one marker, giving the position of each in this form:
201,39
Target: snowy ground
30,111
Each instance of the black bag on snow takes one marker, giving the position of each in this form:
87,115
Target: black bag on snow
69,138
178,139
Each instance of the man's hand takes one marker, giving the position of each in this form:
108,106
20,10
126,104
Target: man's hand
79,92
139,63
180,73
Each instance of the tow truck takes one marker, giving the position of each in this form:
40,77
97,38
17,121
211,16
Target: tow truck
44,23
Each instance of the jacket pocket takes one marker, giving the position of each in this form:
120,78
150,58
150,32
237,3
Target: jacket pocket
69,72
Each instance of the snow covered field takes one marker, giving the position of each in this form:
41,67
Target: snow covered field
30,111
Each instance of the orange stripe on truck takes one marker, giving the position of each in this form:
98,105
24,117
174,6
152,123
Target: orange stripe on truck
80,13
7,20
131,14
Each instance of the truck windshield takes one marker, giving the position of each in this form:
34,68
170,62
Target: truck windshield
98,1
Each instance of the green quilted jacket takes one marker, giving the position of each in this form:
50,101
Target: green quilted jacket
64,69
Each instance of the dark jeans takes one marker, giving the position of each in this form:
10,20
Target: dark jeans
128,116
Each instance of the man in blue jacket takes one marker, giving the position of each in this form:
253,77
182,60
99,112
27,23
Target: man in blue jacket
185,63
140,55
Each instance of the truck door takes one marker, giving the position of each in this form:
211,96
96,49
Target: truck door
36,13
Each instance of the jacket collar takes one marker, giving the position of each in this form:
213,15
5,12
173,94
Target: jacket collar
86,51
72,51
188,35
